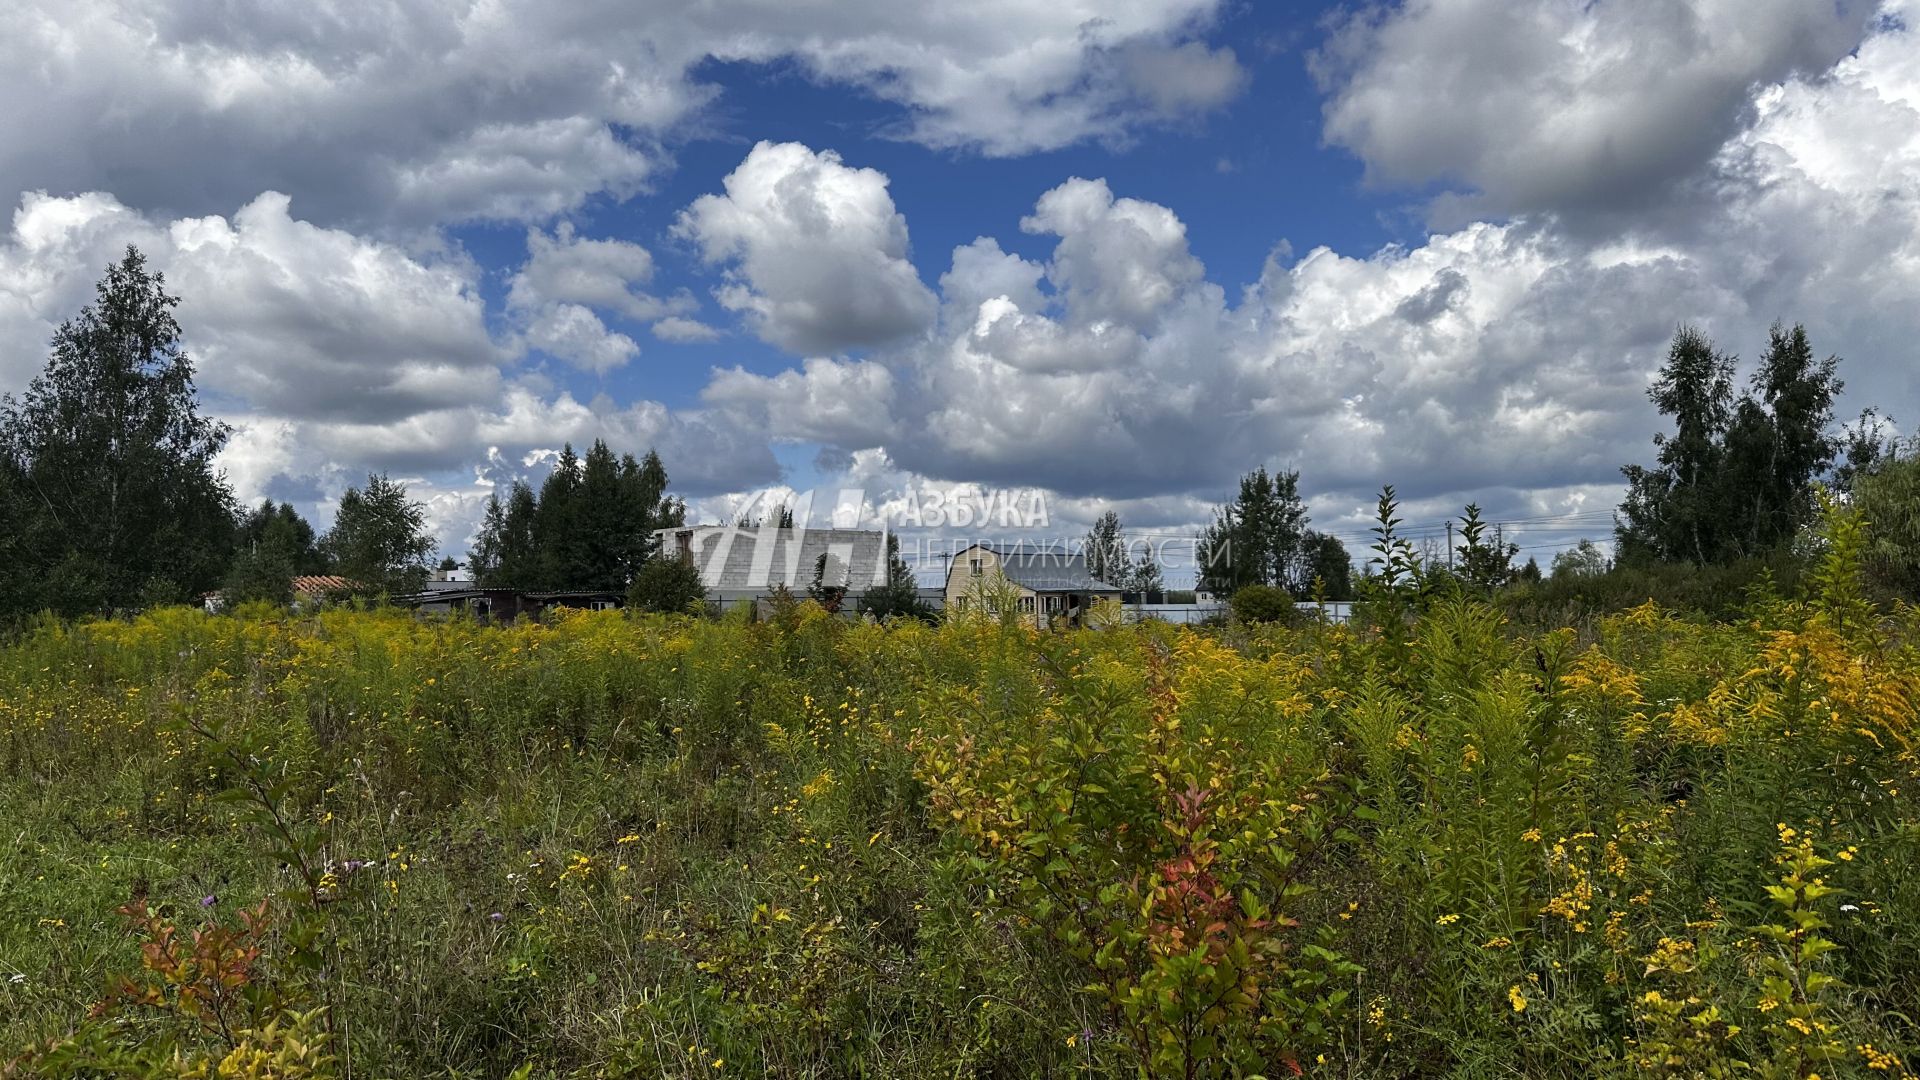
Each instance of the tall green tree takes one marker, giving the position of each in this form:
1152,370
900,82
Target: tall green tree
607,522
13,535
1864,445
899,596
559,525
1325,566
503,553
591,526
258,572
520,553
1486,562
272,544
379,539
1583,560
1795,393
1106,551
484,559
1675,510
1145,575
650,507
1257,538
1736,477
112,490
279,527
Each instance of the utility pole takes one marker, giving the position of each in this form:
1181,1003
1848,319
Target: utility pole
1449,543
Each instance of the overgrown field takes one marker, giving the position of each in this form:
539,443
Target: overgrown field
361,844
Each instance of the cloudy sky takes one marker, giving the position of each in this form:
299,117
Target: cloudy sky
1121,251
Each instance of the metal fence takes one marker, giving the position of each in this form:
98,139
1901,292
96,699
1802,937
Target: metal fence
1333,611
1176,613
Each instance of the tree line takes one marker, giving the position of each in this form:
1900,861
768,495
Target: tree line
1737,476
1258,539
110,498
1732,494
1737,482
1261,538
590,527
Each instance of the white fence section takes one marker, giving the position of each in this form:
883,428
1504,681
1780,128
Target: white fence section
1333,611
1176,613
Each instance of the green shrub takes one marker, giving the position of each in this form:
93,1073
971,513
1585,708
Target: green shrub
666,585
1889,499
1262,604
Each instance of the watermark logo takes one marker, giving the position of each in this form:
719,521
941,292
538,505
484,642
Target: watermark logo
848,538
967,507
924,506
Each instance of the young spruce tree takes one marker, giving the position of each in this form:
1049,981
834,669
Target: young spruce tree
113,496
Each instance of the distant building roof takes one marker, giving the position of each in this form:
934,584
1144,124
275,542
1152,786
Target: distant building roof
737,561
318,584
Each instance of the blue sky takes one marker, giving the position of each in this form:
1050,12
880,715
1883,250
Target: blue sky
1118,253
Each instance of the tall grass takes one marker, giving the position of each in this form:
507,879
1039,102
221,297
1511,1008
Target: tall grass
648,846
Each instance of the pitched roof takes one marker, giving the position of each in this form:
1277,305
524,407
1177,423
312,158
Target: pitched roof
1048,569
315,584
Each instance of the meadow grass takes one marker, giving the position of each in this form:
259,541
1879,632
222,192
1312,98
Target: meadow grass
649,846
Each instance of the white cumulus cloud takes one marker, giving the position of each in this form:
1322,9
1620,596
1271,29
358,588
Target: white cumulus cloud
422,112
1564,105
285,315
816,252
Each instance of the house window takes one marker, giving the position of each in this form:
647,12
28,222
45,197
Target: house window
1026,605
1053,605
602,605
974,565
961,603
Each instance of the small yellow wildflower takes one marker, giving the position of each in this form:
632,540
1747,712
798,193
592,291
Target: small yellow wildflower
1878,1060
1517,999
